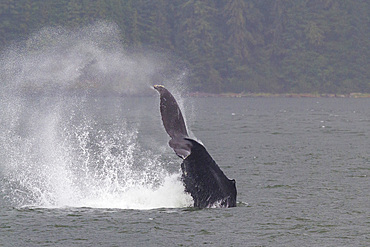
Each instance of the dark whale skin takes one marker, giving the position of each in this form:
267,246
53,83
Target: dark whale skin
201,176
172,118
205,181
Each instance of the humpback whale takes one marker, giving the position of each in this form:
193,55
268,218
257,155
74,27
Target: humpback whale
201,176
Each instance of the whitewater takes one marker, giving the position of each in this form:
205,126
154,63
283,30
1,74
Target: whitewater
55,150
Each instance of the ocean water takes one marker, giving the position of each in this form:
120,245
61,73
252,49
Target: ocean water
97,171
80,169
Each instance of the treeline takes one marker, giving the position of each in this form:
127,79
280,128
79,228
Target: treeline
311,46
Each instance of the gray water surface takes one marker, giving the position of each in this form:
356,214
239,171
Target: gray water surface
302,169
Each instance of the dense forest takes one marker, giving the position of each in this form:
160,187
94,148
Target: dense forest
280,46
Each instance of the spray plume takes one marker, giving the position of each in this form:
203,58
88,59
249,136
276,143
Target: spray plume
53,150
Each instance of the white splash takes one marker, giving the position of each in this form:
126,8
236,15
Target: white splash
53,153
64,165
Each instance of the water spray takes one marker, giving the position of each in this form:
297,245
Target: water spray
55,151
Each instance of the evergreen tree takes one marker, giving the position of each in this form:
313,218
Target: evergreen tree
195,39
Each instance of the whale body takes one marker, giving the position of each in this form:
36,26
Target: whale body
201,176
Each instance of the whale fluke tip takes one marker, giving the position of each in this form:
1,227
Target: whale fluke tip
158,87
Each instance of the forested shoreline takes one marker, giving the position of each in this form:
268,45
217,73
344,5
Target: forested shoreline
281,46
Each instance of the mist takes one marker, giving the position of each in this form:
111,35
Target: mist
64,142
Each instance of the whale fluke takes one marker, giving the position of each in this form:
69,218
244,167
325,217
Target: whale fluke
201,176
171,114
173,122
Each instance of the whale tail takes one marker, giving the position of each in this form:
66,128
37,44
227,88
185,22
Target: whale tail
173,122
172,118
201,176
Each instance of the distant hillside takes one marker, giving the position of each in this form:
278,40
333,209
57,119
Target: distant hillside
281,46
